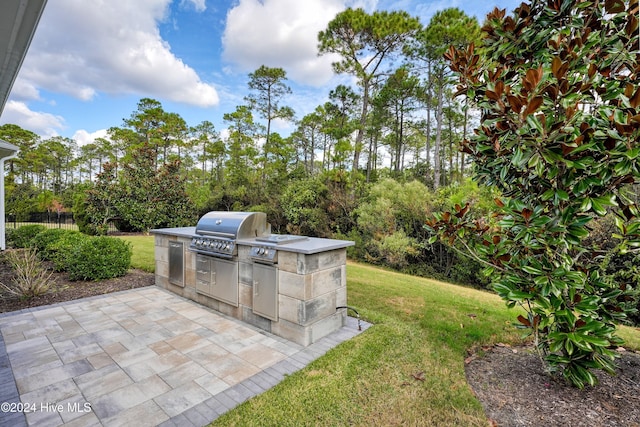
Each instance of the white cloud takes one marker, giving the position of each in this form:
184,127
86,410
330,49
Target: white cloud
23,90
199,5
83,137
44,124
280,33
82,48
367,5
425,11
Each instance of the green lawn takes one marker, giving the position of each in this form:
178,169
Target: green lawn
422,329
142,252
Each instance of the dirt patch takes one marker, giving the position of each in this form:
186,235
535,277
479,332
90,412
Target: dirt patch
64,289
514,391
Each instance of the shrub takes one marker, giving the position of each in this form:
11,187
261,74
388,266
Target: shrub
45,238
624,270
141,197
59,252
80,215
97,258
31,277
468,271
620,268
9,236
21,237
302,209
557,84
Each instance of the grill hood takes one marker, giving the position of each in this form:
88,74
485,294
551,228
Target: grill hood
233,225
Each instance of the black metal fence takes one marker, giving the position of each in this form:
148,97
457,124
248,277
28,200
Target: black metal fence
48,219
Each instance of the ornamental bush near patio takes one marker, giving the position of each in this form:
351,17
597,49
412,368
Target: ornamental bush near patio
557,84
97,258
21,237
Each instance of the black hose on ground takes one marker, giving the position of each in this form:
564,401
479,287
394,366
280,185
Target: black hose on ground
355,311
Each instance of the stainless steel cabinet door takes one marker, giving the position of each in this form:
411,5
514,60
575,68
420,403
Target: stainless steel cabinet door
265,291
224,281
176,263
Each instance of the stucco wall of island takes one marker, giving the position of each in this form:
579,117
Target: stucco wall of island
299,294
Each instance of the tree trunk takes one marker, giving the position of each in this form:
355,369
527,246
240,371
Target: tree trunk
437,148
363,122
313,144
369,160
428,139
401,138
398,141
451,171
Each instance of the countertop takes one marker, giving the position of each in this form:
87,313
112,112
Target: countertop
179,231
310,245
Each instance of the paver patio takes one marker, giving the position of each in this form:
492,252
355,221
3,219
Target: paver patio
142,357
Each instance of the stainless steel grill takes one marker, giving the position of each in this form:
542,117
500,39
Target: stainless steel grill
217,232
236,266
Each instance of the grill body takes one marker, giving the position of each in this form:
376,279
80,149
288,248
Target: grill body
217,232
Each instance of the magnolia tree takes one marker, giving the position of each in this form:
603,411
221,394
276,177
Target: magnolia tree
557,84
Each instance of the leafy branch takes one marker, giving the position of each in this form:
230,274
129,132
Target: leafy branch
558,166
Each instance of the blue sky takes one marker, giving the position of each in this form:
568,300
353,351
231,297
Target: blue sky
91,61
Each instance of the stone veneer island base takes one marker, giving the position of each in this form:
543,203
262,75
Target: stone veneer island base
295,298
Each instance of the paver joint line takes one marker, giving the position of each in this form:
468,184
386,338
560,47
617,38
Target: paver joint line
131,351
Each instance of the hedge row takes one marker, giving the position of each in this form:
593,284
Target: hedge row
83,257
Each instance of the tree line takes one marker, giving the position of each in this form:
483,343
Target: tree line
318,180
400,104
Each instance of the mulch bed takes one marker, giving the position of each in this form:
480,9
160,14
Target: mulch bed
514,391
64,289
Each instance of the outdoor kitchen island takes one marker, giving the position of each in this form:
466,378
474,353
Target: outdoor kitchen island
290,286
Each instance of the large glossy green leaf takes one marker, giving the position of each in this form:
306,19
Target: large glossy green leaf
532,270
534,123
600,342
